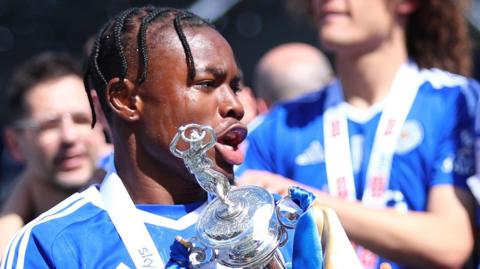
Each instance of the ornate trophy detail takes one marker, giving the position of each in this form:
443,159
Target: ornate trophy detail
196,161
242,227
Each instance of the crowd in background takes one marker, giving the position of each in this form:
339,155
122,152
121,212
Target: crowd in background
383,133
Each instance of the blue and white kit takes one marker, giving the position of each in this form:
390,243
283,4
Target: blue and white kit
78,233
434,144
102,228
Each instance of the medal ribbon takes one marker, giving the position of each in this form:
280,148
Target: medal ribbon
338,158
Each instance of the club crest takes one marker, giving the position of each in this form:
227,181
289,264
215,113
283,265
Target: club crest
411,136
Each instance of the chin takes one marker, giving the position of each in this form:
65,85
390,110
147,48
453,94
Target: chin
333,39
73,181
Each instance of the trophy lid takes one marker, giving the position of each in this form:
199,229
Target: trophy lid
249,218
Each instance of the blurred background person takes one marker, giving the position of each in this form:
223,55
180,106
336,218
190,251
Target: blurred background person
389,144
49,130
285,72
288,71
9,169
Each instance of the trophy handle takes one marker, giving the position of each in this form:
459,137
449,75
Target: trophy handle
173,145
283,236
198,254
288,212
198,134
276,262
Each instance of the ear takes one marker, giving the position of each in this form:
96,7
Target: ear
102,119
12,144
123,99
406,7
262,106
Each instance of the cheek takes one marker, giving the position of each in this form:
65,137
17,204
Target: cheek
197,107
378,22
158,124
42,153
92,144
201,109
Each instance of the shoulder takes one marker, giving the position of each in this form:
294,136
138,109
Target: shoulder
309,102
77,207
443,82
449,88
298,112
46,228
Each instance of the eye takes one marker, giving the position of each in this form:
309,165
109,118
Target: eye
49,124
81,118
236,85
205,84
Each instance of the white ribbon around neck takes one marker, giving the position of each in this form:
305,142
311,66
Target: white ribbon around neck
338,158
130,227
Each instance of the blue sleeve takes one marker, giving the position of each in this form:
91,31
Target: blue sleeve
454,158
26,252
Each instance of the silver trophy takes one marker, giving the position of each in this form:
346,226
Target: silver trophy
241,227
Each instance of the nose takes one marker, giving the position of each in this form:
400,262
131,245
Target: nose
68,130
230,106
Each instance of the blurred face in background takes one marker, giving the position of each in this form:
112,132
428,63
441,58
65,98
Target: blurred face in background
353,26
55,138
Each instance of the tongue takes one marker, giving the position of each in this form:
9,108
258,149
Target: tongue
234,157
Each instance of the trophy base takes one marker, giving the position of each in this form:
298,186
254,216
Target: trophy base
272,261
245,234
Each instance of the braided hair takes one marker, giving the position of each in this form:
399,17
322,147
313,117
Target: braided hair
115,44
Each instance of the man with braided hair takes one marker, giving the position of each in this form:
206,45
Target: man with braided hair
154,70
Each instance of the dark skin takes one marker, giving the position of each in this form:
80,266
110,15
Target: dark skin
147,116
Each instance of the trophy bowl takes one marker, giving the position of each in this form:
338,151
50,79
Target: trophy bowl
241,227
245,237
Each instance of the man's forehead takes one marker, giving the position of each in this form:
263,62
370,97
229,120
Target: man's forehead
62,95
210,52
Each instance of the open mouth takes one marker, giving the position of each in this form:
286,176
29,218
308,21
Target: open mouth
228,142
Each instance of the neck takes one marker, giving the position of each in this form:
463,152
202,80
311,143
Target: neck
367,78
150,182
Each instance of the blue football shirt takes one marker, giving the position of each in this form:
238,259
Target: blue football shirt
79,233
435,147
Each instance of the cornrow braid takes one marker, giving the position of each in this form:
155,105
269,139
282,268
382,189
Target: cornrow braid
87,80
108,58
96,52
117,32
186,47
142,40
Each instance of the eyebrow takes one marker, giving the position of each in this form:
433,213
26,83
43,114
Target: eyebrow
212,70
219,72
